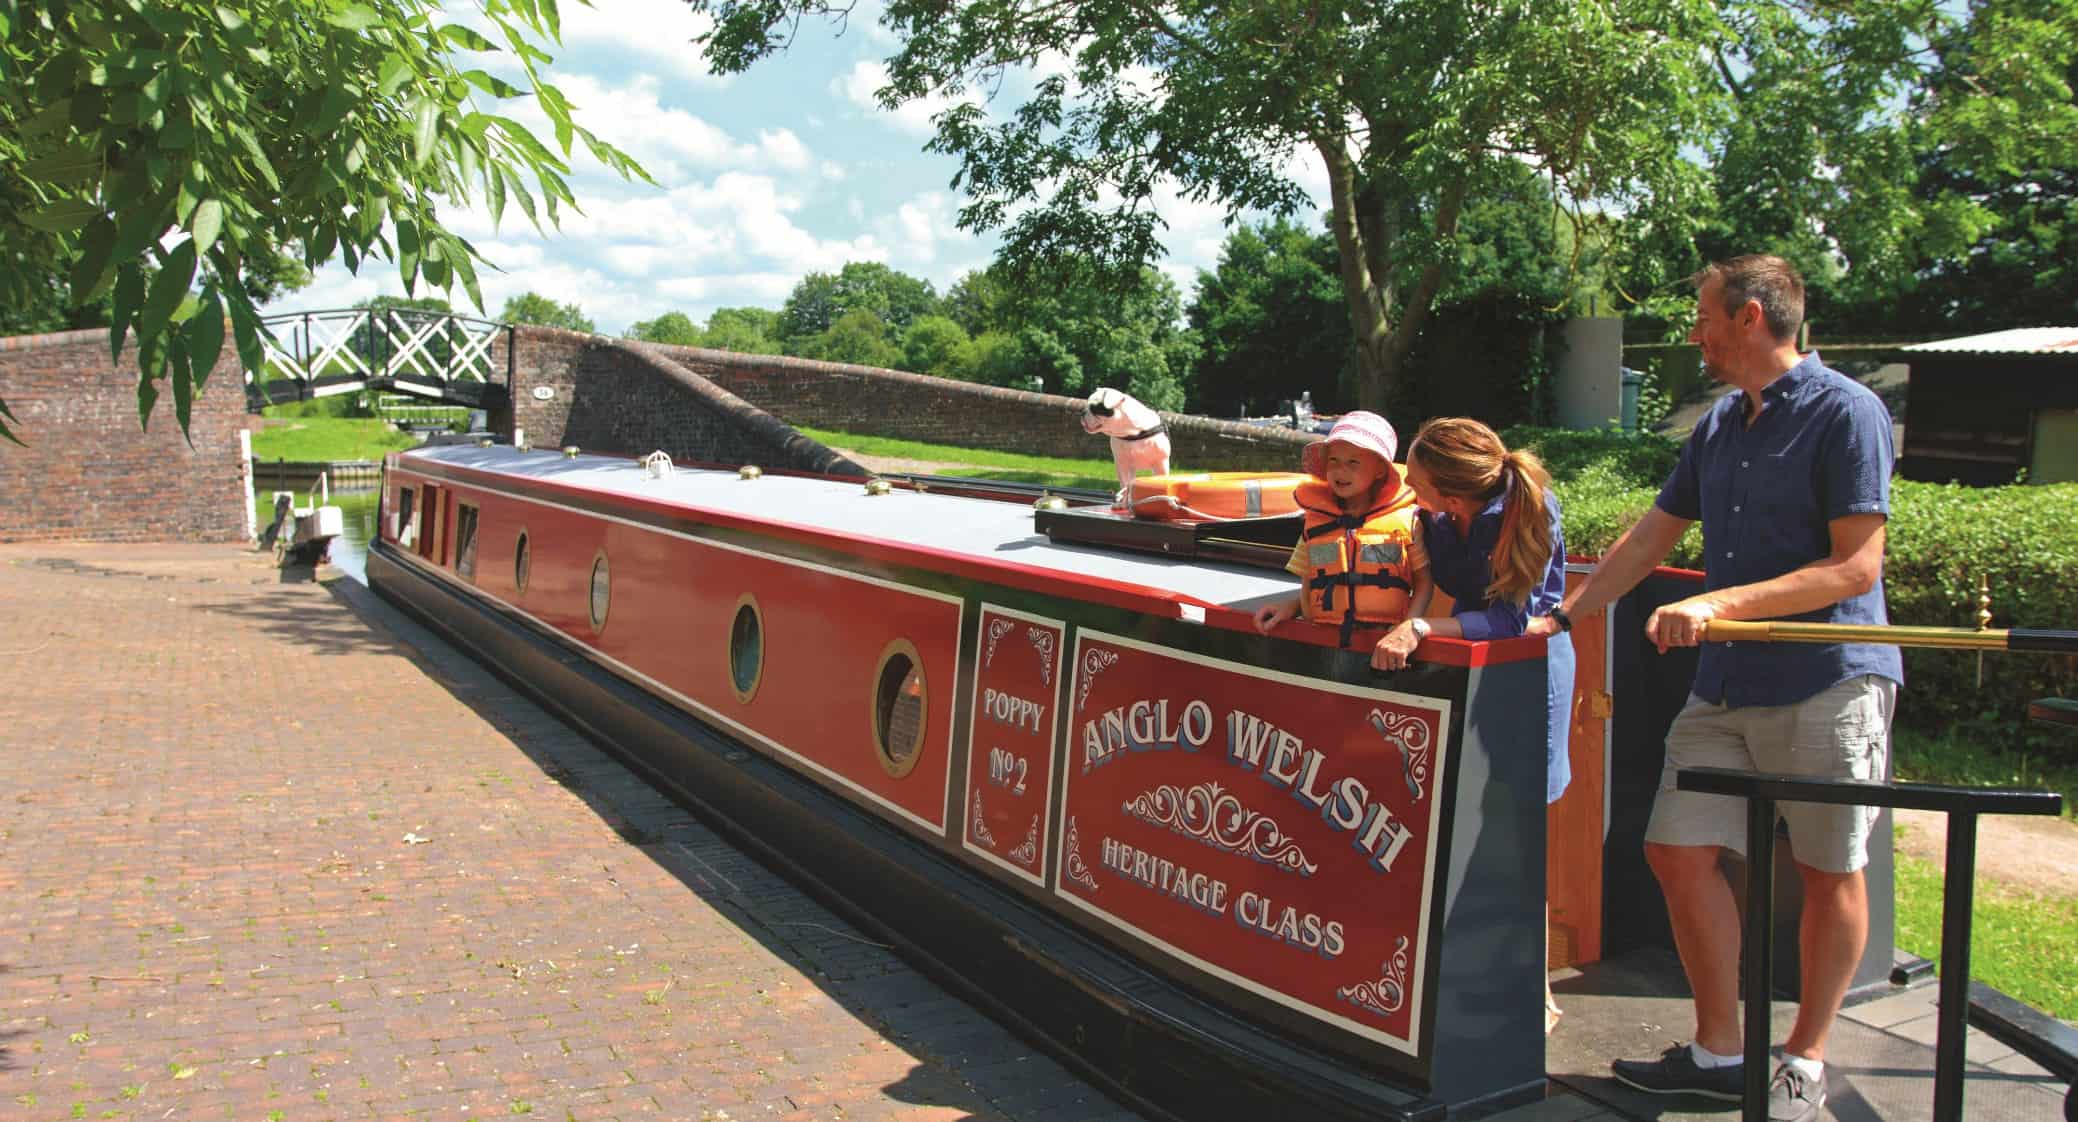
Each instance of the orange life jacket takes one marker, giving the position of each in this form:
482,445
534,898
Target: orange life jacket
1357,565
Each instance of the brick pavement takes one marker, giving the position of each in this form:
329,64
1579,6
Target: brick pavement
260,859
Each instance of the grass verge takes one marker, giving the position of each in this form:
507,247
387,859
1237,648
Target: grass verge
1049,471
1961,756
2020,942
330,438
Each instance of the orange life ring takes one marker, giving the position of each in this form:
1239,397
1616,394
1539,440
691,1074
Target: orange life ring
1215,494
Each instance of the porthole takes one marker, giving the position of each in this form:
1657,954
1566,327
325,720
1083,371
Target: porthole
519,563
602,591
746,649
900,705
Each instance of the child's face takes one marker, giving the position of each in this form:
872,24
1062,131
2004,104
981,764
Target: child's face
1352,473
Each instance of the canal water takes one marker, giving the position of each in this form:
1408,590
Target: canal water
350,548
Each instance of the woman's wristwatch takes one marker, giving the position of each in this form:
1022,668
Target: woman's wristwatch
1420,627
1559,616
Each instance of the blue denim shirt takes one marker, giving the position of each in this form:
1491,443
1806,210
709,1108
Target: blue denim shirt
1820,450
1464,565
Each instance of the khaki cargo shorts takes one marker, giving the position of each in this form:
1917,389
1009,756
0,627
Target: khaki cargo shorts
1842,733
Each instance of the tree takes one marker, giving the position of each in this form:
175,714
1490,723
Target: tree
1916,162
162,145
1413,109
749,331
1271,323
1082,334
821,299
936,345
857,337
1418,109
534,308
673,328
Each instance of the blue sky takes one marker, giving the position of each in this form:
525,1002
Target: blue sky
761,178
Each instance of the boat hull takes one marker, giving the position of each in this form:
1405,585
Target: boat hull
1158,842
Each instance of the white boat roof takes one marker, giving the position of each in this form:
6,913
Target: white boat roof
983,530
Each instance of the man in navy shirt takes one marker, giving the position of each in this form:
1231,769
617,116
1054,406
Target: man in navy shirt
1790,477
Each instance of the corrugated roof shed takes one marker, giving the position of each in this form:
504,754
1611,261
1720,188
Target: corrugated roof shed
2018,341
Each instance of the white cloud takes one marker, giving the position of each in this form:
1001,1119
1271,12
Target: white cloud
859,85
657,30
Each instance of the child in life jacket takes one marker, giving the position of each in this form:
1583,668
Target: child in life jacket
1359,559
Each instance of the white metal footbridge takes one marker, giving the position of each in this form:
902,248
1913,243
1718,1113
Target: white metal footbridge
438,356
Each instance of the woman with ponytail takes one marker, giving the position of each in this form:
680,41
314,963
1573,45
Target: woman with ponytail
1490,528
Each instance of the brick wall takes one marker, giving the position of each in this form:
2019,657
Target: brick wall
614,395
90,473
868,400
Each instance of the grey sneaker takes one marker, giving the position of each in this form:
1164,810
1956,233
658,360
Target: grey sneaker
1794,1096
1676,1073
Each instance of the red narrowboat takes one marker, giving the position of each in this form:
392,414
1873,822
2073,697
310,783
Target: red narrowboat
1222,873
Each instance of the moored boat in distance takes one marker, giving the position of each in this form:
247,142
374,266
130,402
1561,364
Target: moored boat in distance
1221,873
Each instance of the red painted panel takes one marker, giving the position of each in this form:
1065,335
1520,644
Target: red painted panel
673,600
1010,739
1278,832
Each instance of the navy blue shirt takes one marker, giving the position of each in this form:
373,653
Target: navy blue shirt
1820,450
1463,566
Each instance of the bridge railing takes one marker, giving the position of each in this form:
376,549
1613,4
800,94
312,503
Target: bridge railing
433,354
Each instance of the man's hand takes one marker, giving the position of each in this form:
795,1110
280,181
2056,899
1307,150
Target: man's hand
1392,651
1680,624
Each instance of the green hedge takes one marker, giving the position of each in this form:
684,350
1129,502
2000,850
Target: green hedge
1942,537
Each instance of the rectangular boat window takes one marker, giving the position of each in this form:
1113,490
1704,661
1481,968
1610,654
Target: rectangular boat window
465,542
407,516
429,533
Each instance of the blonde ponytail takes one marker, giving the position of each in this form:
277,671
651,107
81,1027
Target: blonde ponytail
1524,549
1466,459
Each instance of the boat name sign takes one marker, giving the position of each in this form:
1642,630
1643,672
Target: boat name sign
1277,831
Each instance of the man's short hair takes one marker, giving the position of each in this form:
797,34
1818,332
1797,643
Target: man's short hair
1766,278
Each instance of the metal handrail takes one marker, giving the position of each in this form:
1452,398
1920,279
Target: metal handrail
1962,805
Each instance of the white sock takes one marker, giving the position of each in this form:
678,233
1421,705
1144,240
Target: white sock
1813,1070
1706,1059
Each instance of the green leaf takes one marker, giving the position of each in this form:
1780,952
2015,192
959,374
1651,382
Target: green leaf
71,165
167,291
205,336
354,17
208,221
245,330
64,214
553,18
396,70
229,18
491,83
4,430
147,396
466,38
182,377
428,120
91,272
129,294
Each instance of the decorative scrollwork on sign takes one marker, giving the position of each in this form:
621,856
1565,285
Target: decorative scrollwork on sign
978,829
1388,993
997,628
1211,816
1094,662
1411,734
1042,641
1027,851
1076,870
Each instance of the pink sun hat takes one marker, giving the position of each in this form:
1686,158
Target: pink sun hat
1360,429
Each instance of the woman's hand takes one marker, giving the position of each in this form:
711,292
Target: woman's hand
1269,616
1541,626
1392,651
